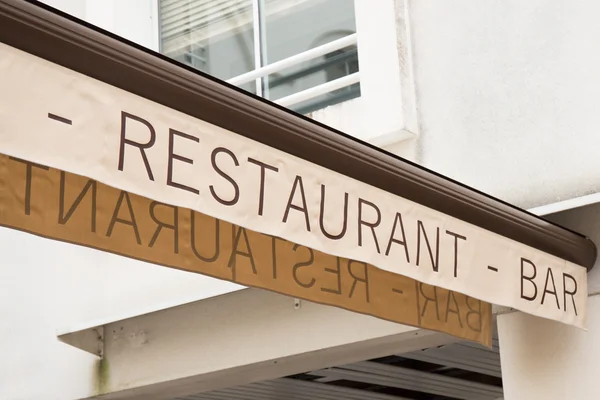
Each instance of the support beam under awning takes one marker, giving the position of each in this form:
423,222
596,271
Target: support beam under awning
230,340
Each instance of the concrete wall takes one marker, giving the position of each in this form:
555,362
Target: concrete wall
73,7
585,220
543,359
48,287
135,20
507,93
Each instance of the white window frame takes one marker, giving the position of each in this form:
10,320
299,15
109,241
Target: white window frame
384,113
261,72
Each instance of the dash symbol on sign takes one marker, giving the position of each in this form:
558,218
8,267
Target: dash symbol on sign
60,119
492,268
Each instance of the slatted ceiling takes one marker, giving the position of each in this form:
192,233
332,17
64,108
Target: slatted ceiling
299,390
419,381
465,356
291,389
449,361
460,370
495,344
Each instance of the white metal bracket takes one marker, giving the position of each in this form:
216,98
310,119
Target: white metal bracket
90,340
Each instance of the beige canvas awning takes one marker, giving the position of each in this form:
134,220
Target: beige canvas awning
81,102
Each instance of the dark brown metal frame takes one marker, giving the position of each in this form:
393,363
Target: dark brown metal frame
74,44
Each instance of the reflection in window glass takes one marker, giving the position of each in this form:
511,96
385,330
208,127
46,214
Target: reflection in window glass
223,37
213,36
295,26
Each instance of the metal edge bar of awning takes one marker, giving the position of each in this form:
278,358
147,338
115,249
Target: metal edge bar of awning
62,39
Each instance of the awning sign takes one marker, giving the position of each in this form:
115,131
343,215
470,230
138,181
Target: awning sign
74,209
71,122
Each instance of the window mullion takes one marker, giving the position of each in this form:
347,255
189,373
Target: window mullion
263,45
260,48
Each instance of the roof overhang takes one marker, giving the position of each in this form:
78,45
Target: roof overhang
566,205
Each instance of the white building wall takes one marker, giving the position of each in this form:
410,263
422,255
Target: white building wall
49,287
135,20
72,7
508,92
543,359
40,286
546,360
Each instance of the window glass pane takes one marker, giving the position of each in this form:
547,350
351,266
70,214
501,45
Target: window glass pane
327,99
213,36
217,37
295,26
